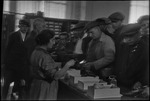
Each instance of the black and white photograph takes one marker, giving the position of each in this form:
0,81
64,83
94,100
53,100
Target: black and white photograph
75,50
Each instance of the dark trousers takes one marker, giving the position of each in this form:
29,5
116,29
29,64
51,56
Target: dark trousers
11,75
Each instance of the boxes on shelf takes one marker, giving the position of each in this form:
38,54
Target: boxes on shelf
103,91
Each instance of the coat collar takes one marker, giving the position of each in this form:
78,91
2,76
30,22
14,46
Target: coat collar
103,37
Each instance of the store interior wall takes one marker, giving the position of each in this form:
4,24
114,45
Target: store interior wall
98,9
90,10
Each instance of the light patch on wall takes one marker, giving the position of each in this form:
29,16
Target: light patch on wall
6,5
137,9
55,9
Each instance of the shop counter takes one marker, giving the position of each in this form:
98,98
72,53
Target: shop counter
71,92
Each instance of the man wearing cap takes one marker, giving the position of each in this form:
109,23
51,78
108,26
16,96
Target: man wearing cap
117,19
144,22
101,50
131,60
16,63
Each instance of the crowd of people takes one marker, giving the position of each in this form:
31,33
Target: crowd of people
107,45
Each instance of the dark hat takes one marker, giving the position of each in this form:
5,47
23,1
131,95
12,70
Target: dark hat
24,22
91,24
97,22
103,21
142,18
79,26
116,17
130,29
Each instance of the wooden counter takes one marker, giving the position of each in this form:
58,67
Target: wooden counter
70,92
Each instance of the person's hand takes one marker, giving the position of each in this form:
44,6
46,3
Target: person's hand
23,82
53,53
145,92
88,65
137,85
70,63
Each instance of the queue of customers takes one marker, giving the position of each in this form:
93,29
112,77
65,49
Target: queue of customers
108,46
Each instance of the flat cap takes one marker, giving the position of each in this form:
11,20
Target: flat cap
103,21
79,26
91,24
97,22
114,17
24,22
130,29
143,18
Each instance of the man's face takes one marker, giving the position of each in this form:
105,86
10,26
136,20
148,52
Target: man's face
116,25
51,43
96,32
145,27
145,23
63,37
110,28
40,26
23,28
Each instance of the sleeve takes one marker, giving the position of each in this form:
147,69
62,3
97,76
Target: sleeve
109,55
9,45
48,66
85,44
144,78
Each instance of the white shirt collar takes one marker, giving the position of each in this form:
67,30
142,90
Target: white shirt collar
23,35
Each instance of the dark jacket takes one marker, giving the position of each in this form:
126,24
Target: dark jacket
131,63
31,43
85,44
17,53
